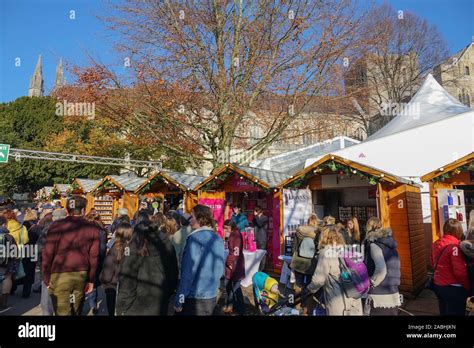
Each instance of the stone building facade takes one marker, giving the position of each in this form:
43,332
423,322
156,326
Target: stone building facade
456,75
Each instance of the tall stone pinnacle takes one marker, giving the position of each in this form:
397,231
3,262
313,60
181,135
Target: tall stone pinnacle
59,82
36,81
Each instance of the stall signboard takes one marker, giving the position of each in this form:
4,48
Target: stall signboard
217,206
297,208
241,185
337,181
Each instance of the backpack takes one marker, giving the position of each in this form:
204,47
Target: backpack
307,248
354,275
4,254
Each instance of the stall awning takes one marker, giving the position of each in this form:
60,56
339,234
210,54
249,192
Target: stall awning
124,182
465,161
185,182
62,188
293,161
336,163
264,178
87,185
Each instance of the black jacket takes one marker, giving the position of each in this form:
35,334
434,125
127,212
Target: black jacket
146,283
260,225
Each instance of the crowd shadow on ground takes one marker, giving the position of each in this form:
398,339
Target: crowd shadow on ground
425,304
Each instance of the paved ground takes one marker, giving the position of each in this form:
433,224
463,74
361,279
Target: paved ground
425,304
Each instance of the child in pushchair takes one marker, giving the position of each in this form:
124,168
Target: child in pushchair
267,297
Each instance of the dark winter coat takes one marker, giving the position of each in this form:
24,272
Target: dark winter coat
11,263
146,283
235,262
111,268
260,224
350,240
71,245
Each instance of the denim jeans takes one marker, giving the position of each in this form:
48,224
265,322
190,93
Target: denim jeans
92,298
235,297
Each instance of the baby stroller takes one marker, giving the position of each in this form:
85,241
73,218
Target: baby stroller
268,298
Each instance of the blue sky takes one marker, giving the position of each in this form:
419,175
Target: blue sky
32,27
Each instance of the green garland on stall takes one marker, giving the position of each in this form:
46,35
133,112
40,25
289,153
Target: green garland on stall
54,193
149,184
335,167
153,181
106,185
447,175
74,187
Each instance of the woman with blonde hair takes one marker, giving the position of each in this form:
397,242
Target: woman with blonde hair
383,266
351,232
327,274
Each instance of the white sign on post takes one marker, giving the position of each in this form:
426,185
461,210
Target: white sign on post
297,208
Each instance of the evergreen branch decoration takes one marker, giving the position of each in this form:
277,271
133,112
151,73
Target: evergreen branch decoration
465,168
74,187
222,177
334,166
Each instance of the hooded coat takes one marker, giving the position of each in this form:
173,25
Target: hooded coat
384,272
146,283
16,230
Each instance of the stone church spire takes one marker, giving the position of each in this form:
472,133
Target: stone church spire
36,81
59,82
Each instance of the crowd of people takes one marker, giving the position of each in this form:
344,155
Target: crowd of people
175,263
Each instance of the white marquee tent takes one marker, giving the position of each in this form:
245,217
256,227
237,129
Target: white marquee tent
436,129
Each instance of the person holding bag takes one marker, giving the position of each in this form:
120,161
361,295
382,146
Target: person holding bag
328,274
